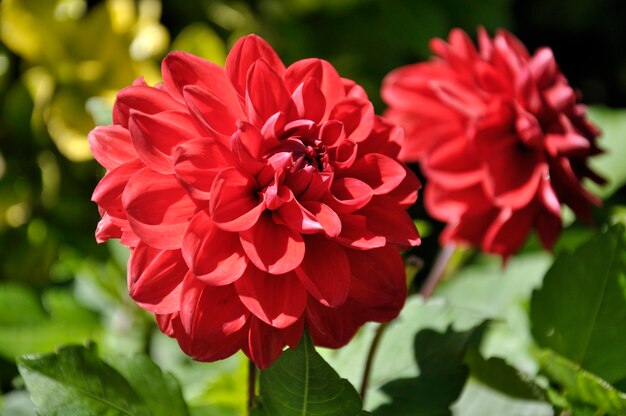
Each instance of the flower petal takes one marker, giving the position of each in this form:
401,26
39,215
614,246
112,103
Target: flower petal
155,278
348,195
181,69
380,172
235,204
325,271
278,301
197,162
357,116
158,208
324,73
111,146
143,99
213,255
265,93
386,218
244,54
210,310
325,216
285,252
378,279
155,136
210,112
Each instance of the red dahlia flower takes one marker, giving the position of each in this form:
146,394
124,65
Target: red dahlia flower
255,199
499,136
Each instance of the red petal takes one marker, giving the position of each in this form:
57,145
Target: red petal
214,256
380,172
265,93
333,327
325,271
165,323
378,279
108,192
210,310
278,301
453,164
155,278
328,80
348,195
357,116
107,230
406,193
355,233
155,136
180,69
514,174
235,205
247,145
111,146
386,138
285,252
309,101
198,161
297,217
211,113
386,218
264,343
325,216
158,208
244,54
142,99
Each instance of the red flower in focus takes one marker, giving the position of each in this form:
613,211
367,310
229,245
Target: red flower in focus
255,199
500,137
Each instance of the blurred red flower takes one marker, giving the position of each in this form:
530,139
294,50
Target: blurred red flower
256,199
499,136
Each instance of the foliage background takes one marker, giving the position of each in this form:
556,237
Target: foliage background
61,62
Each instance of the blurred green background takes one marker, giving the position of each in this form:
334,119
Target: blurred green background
61,63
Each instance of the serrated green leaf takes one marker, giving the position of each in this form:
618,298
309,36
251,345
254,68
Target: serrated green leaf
75,381
580,385
160,391
301,383
580,311
443,373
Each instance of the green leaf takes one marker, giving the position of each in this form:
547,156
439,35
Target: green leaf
580,312
610,164
500,376
443,373
301,383
75,381
581,385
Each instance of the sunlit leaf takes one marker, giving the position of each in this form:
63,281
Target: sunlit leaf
301,383
581,385
579,310
75,381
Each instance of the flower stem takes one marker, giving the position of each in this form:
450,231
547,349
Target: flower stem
370,358
437,271
251,384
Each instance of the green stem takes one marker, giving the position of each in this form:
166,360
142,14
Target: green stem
370,358
251,384
437,271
